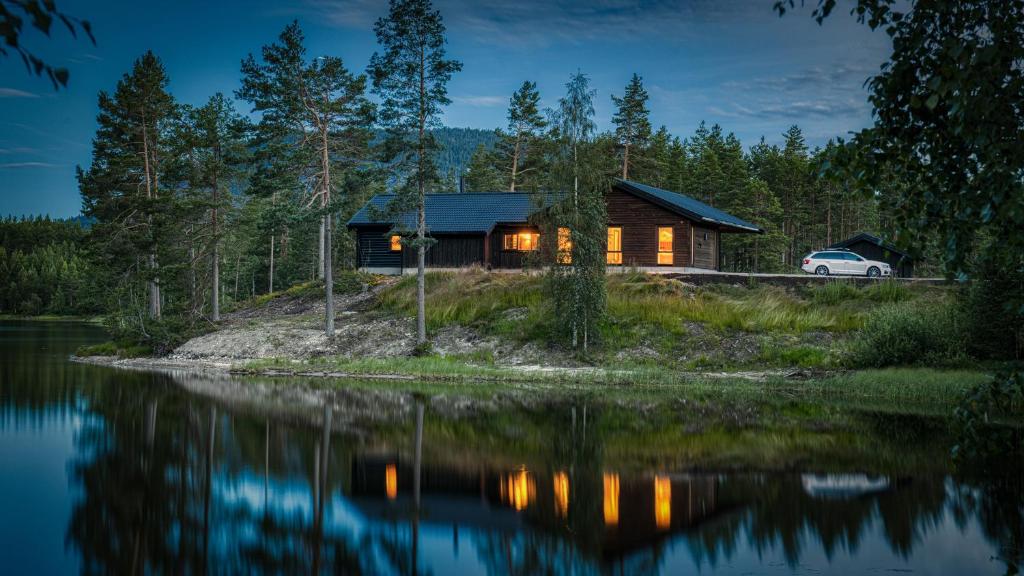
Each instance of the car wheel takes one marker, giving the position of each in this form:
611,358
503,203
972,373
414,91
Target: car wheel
821,270
874,272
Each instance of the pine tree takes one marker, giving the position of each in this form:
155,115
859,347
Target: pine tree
327,104
481,175
525,123
122,188
411,77
632,125
221,153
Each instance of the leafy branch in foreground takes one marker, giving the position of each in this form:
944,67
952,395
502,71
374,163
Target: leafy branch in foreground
41,14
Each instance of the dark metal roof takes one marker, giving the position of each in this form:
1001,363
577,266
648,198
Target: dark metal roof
470,212
478,212
688,207
871,238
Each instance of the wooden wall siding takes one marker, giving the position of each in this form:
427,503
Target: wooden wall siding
373,249
450,251
501,258
705,252
639,221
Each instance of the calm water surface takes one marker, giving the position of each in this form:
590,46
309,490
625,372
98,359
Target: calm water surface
116,472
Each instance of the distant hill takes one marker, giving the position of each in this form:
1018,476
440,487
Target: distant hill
458,145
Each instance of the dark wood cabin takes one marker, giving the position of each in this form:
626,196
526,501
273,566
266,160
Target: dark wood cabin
874,248
647,228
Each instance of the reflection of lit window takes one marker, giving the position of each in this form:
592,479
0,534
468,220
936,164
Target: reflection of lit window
665,245
564,246
611,499
615,245
561,494
396,243
521,241
662,502
518,489
391,481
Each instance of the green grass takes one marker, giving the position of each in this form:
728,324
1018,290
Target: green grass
897,390
640,306
111,348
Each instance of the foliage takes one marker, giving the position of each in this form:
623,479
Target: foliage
482,175
519,151
906,334
41,15
632,123
993,308
45,269
575,283
982,417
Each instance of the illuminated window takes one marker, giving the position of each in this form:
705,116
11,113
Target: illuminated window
396,243
562,494
662,502
665,245
521,242
391,481
564,246
615,245
611,499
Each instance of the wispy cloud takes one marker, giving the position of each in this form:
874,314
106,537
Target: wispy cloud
481,101
540,22
23,165
19,150
15,93
814,92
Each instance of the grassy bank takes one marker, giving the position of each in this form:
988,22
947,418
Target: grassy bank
678,324
921,391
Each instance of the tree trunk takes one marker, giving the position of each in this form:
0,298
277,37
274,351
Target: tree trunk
515,160
421,224
215,257
320,258
625,162
152,284
270,280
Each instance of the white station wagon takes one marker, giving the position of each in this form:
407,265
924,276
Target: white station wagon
843,262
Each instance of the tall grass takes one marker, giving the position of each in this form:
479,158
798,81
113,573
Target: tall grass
641,307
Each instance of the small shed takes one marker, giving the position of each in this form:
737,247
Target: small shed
874,248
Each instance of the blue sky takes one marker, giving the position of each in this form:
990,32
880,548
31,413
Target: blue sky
733,62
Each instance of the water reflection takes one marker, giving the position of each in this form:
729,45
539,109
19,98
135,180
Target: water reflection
166,481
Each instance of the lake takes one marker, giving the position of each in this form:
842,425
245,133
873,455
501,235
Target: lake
114,471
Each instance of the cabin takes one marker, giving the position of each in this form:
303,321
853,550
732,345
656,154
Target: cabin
648,228
874,248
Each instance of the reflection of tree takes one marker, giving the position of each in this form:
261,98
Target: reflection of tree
997,501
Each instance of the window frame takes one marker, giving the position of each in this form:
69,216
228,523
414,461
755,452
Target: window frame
670,253
512,241
613,257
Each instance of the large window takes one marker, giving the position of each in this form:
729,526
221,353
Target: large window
564,246
615,245
665,246
521,242
396,243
